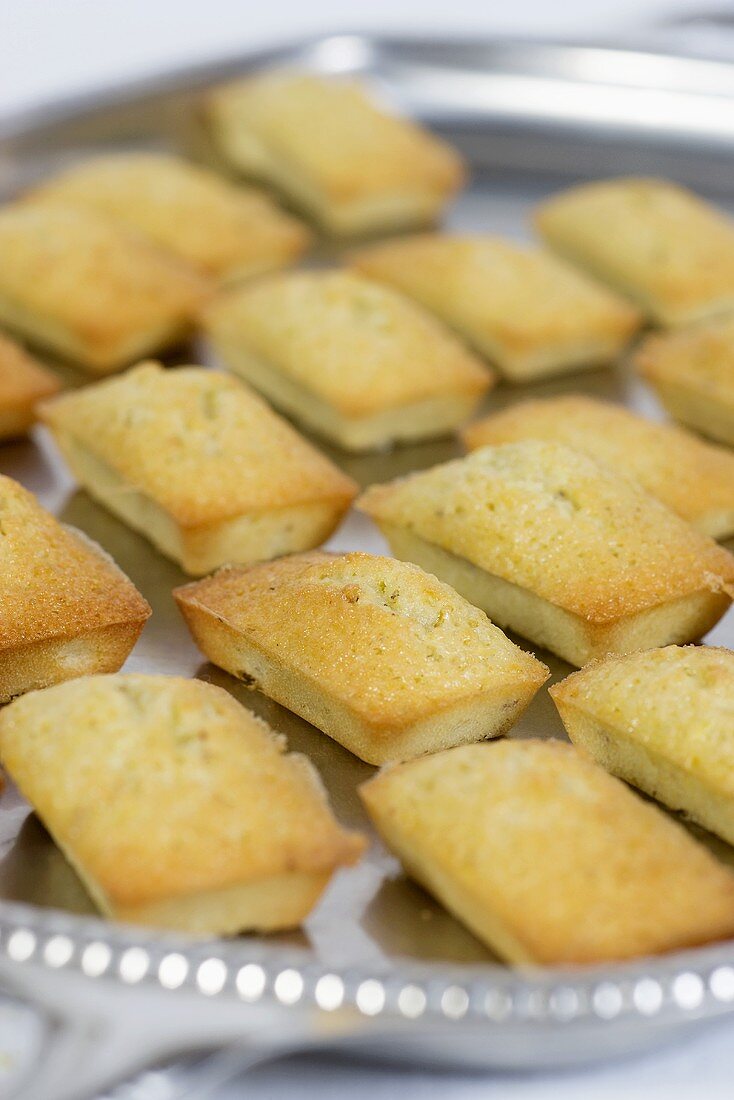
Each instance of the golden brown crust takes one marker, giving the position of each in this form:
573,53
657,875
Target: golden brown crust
54,583
551,520
88,288
23,380
199,443
219,227
661,721
655,241
379,635
675,701
700,359
509,300
693,478
160,787
358,346
487,827
331,133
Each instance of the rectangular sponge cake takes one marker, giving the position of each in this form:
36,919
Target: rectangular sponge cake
378,654
87,289
328,146
671,253
23,382
224,230
178,808
693,478
200,465
548,859
65,608
558,548
661,720
692,373
529,313
353,360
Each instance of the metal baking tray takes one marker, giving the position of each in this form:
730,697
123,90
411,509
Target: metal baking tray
379,968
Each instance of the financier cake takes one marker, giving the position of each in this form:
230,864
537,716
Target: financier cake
353,360
693,478
529,313
663,247
378,654
87,289
661,720
558,548
692,372
548,859
65,608
333,151
23,382
177,806
225,230
199,464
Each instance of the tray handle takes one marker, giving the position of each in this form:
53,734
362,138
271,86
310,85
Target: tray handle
90,1035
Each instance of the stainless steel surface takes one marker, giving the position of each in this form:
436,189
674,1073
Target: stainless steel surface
538,106
379,967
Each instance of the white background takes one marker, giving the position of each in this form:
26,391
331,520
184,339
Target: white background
53,48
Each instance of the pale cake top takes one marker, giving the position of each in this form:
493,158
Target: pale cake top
567,860
332,132
388,639
554,521
701,357
161,787
54,582
23,380
677,701
213,224
652,238
693,478
199,443
85,274
520,297
359,346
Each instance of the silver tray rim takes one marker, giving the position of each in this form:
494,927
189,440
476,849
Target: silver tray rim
684,986
707,76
